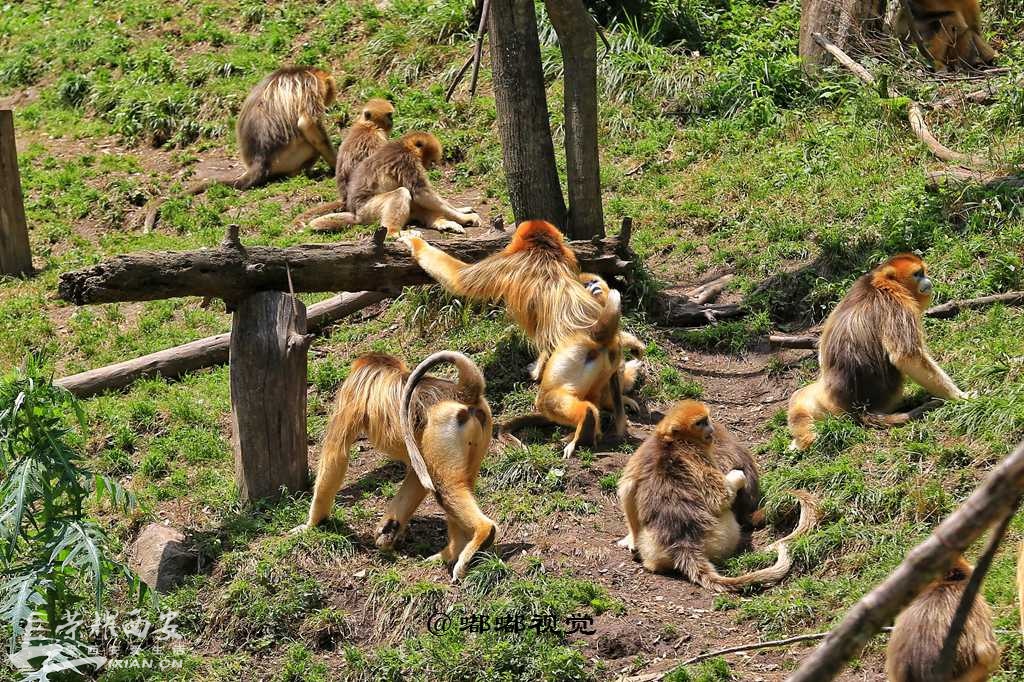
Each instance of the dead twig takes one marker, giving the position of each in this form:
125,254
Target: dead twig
961,174
473,59
708,292
915,115
952,308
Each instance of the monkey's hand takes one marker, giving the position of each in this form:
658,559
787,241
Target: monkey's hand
410,237
968,395
465,209
470,219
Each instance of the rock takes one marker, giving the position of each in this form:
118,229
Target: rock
162,558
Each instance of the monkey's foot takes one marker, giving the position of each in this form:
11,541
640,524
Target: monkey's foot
508,440
534,370
406,236
470,220
627,542
301,528
569,449
448,226
465,209
388,535
630,404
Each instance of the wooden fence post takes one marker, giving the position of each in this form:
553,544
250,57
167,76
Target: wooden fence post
268,394
15,255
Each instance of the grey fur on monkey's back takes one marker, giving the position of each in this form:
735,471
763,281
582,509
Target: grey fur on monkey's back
269,116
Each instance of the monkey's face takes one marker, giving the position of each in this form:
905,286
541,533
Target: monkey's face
595,286
910,271
381,113
688,421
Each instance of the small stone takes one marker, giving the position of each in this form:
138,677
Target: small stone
162,558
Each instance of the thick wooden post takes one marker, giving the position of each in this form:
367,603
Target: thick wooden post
268,394
15,255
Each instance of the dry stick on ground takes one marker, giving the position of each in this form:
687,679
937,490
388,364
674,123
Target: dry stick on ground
943,311
987,505
914,113
708,292
213,350
968,175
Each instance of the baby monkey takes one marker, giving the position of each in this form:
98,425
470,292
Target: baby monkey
441,429
685,494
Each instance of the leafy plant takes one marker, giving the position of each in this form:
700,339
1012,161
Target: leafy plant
53,557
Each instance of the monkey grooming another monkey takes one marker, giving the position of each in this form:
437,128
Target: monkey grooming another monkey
950,29
918,635
536,276
681,509
870,341
280,131
391,186
368,133
441,429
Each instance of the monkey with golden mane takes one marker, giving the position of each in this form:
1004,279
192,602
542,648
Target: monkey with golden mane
441,429
280,131
917,637
536,277
872,339
391,186
950,30
685,511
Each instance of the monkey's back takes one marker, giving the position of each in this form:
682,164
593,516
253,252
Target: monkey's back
672,491
359,144
731,454
918,634
854,359
389,167
269,116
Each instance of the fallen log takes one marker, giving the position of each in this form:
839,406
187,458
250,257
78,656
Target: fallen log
989,504
952,308
783,341
233,271
213,350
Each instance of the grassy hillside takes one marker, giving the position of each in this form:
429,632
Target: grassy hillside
722,152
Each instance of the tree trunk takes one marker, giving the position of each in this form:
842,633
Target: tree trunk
15,255
577,38
522,107
233,272
213,350
268,395
844,22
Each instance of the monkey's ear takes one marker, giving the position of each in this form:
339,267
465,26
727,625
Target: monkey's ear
367,115
463,416
419,143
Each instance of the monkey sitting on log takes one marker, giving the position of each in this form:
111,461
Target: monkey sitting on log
950,30
391,186
920,631
683,512
441,429
280,131
870,341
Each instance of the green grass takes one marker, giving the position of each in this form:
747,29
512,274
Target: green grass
798,185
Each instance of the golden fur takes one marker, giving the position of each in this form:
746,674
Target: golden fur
872,339
950,29
582,375
391,186
680,506
535,276
452,423
917,637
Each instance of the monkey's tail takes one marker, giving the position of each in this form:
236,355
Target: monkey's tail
701,571
471,387
607,325
320,210
333,222
522,422
883,421
1020,585
252,177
